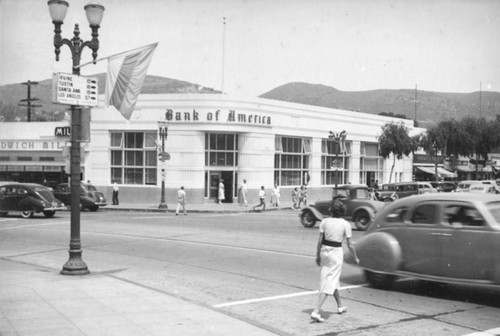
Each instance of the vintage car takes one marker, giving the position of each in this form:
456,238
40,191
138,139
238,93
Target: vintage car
388,192
360,206
28,199
444,186
442,237
90,198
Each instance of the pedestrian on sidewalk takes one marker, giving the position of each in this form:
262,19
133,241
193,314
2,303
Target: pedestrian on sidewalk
275,196
115,193
330,256
221,191
181,201
242,197
303,195
295,198
262,198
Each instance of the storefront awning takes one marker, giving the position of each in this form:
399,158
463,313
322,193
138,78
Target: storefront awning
441,171
465,169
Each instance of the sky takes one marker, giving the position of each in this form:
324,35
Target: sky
351,45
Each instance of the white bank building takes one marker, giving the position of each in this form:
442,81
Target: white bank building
210,137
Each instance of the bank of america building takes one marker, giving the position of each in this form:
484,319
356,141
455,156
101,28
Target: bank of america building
210,137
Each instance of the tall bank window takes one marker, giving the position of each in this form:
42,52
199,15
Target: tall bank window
371,164
335,168
221,150
133,157
291,161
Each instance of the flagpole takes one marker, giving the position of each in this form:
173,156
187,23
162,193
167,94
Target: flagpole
121,53
223,52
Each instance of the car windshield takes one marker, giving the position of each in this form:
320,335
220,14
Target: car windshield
494,209
340,192
362,193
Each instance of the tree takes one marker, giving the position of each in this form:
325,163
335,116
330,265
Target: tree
433,141
396,141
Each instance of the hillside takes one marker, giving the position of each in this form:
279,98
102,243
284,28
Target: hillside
12,94
431,106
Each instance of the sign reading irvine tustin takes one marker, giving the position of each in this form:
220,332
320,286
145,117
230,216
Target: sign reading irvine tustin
74,90
223,116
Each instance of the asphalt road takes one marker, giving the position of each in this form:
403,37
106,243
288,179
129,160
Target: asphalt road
258,267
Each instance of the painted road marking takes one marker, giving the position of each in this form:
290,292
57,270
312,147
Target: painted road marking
32,225
278,297
489,332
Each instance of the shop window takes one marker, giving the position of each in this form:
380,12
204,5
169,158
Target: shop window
221,149
371,164
24,158
335,162
291,161
133,157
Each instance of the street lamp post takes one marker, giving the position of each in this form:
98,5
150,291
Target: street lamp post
163,132
58,8
338,139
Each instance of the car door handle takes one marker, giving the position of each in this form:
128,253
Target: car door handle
441,234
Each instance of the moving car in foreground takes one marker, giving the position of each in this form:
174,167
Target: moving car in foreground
28,198
90,197
443,237
360,207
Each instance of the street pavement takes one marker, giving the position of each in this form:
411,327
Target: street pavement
36,300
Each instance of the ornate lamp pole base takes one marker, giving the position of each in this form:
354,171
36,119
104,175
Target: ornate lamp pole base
75,264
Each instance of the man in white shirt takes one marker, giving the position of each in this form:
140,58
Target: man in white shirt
181,201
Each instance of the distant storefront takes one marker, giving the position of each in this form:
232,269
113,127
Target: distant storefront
210,138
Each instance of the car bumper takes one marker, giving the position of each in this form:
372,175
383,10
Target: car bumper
54,208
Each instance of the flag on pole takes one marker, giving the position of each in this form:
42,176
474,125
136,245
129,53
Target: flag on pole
126,73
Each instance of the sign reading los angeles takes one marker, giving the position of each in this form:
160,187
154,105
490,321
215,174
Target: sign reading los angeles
74,89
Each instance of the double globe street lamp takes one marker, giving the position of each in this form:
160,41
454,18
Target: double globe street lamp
339,140
58,8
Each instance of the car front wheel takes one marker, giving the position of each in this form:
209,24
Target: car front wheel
27,214
307,218
3,214
379,280
362,220
94,208
49,213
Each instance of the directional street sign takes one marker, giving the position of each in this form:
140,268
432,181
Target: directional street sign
164,156
72,89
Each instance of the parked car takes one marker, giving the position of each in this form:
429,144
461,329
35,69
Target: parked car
465,186
90,197
444,186
28,199
483,189
400,190
426,187
360,206
443,237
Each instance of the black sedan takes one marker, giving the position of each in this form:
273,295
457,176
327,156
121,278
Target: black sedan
90,197
360,206
28,199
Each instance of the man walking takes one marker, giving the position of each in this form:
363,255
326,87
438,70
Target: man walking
181,201
115,193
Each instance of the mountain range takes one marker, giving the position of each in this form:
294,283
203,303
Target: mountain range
430,108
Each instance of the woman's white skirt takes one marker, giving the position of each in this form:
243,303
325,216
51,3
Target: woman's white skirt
331,267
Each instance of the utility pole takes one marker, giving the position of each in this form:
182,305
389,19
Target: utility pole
29,99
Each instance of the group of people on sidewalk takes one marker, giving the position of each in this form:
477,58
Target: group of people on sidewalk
299,197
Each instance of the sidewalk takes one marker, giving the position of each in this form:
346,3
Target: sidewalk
191,208
35,300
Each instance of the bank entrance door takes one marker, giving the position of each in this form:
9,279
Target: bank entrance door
214,177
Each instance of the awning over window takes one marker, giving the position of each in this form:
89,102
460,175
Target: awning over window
441,171
465,169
